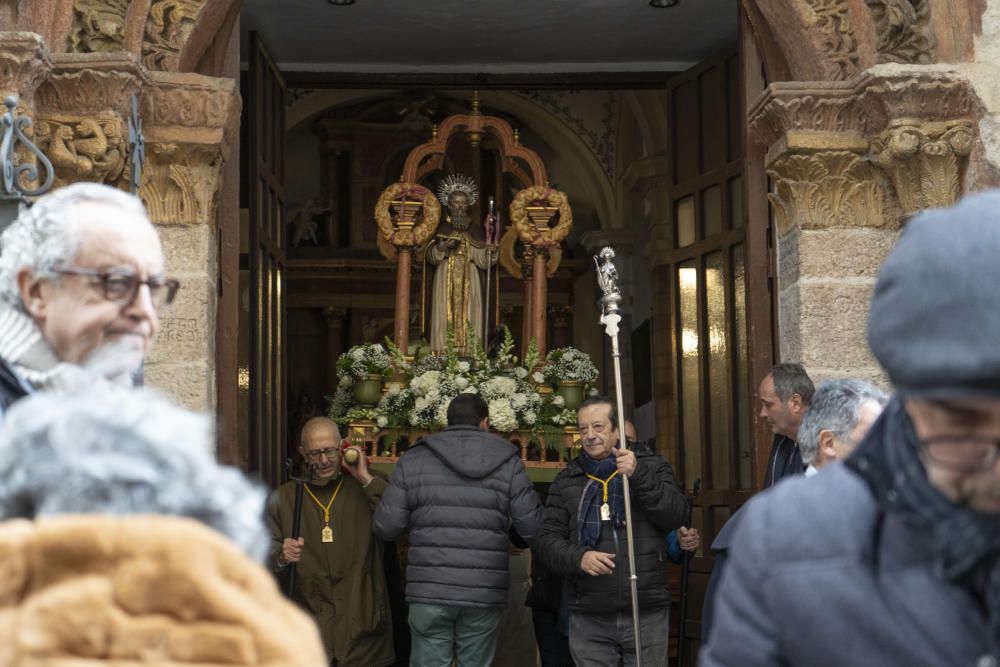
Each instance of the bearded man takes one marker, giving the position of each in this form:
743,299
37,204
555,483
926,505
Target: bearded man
459,251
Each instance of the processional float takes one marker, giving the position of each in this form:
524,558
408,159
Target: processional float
408,214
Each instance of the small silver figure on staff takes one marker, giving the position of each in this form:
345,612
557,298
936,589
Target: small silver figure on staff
491,231
607,280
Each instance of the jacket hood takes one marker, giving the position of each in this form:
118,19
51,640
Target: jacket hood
470,452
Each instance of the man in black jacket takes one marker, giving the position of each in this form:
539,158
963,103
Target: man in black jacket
458,492
784,396
583,539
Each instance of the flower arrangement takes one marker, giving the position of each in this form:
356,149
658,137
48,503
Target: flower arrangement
364,360
570,364
508,387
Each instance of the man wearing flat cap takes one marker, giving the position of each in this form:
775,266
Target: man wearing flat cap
893,557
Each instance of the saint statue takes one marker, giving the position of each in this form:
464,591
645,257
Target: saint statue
460,253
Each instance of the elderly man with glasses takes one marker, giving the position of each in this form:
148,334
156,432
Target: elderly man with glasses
340,574
81,281
893,558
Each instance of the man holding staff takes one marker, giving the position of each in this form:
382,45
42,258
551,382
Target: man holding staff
583,538
340,578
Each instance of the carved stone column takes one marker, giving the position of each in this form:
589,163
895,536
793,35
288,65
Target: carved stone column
189,122
834,226
24,64
922,129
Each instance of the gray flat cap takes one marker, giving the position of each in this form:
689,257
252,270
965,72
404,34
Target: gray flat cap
934,322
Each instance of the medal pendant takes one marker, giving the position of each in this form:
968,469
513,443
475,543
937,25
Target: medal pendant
327,534
605,512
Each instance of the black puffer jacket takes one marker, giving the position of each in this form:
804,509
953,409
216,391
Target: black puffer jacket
457,492
658,507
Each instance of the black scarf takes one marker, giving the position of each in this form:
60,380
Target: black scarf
966,543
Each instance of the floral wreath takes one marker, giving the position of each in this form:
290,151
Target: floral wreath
541,195
422,231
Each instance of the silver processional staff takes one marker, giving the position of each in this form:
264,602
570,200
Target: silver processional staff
607,280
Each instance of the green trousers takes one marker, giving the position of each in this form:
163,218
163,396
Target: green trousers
440,633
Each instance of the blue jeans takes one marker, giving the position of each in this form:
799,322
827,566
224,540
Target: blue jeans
439,633
600,641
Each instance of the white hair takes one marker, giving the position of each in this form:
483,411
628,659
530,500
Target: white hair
43,236
120,453
835,407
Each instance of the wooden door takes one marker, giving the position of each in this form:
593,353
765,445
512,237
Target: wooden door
266,124
707,266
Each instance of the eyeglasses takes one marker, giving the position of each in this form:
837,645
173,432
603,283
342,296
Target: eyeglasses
317,454
961,454
121,286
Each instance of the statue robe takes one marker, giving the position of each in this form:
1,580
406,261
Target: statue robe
457,295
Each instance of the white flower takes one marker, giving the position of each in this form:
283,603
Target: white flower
442,413
433,395
592,392
357,354
414,418
538,377
502,415
421,403
518,401
471,389
558,401
382,422
530,417
463,366
393,389
461,382
346,381
521,372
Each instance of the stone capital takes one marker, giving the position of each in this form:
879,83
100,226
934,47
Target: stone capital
189,121
85,84
808,116
24,64
923,129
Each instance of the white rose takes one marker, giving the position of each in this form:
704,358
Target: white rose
521,372
421,404
471,389
519,401
357,354
530,417
461,382
538,377
463,366
382,422
558,401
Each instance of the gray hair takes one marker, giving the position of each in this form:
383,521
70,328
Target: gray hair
790,379
835,407
118,452
43,236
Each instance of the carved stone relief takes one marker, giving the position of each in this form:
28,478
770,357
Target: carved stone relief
83,148
926,161
24,64
181,182
98,26
825,189
830,28
786,107
88,87
902,29
168,26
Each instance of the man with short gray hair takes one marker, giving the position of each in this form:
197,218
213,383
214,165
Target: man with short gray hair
784,395
837,419
81,281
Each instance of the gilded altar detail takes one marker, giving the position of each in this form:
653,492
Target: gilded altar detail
168,27
98,26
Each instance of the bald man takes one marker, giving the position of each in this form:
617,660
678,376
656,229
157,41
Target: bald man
340,577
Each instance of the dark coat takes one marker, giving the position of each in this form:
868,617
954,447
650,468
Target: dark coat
785,460
457,492
341,584
819,575
12,387
658,507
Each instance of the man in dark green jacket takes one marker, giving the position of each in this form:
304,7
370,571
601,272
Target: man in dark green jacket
340,579
583,539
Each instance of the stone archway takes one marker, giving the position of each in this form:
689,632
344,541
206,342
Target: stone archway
873,111
75,65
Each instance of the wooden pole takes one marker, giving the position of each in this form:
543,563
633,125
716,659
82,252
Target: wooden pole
402,315
539,287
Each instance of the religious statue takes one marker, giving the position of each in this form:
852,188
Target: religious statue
460,252
302,220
